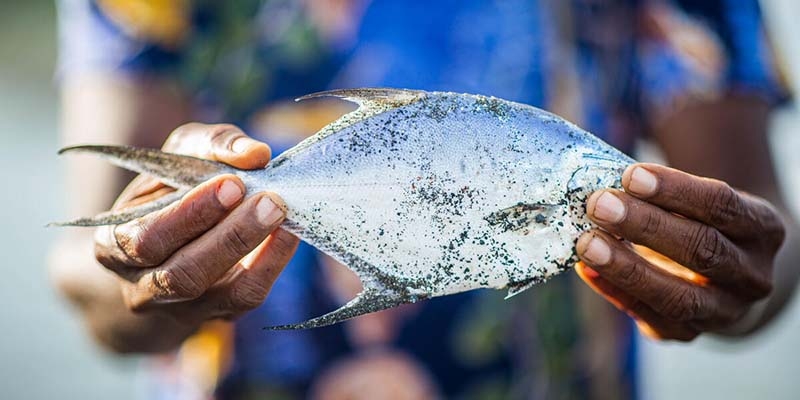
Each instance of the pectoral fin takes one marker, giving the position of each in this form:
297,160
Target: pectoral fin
521,217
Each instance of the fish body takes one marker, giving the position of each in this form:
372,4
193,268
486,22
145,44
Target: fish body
425,194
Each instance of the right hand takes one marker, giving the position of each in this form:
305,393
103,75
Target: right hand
210,254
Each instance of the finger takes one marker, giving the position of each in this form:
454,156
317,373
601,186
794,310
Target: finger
692,244
221,142
245,286
249,282
709,201
188,273
149,240
649,321
670,296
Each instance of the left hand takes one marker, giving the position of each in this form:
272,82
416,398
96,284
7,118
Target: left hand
726,240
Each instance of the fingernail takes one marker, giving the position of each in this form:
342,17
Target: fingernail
267,212
240,145
597,252
609,208
643,182
229,193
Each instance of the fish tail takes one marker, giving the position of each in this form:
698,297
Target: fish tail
179,171
124,215
176,170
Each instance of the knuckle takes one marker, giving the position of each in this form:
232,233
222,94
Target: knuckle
707,251
286,244
135,299
198,217
680,304
140,244
181,133
653,223
772,227
137,305
247,294
766,287
632,275
106,259
728,314
725,204
104,254
108,254
776,231
177,284
238,241
685,335
222,135
761,287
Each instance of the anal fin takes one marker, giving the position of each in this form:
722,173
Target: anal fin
381,291
370,300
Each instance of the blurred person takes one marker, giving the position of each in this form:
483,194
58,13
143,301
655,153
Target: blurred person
698,77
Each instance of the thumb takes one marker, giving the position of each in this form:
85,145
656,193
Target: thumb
225,143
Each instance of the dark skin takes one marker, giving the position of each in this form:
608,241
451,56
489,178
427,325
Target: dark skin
727,237
210,255
164,283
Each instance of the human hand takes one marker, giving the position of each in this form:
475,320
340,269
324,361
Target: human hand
723,244
210,254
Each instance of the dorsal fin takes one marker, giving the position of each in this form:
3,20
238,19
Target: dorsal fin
371,97
371,102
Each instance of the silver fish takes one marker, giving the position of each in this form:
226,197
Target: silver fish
421,194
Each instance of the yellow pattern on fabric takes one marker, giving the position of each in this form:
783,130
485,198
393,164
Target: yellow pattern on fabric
164,22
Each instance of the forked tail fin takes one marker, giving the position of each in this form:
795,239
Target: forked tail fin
124,215
176,170
179,171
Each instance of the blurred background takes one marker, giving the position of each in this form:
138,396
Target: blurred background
44,352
